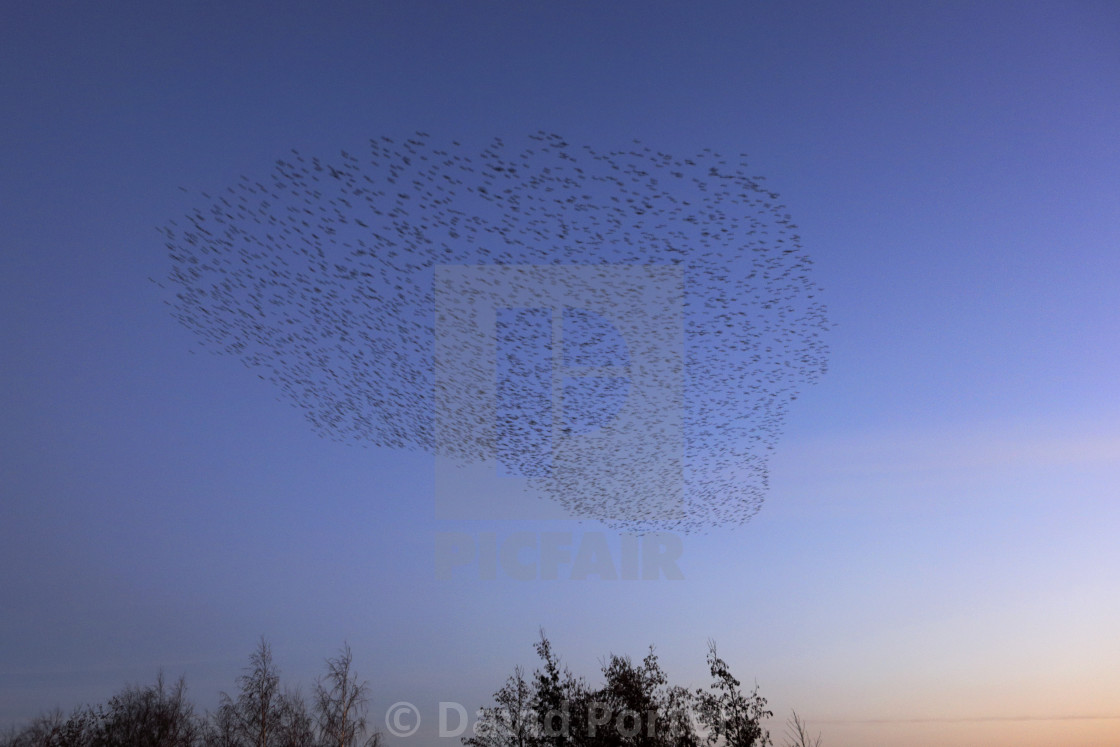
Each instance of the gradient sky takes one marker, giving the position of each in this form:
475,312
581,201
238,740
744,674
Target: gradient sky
937,560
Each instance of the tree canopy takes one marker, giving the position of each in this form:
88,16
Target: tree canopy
635,706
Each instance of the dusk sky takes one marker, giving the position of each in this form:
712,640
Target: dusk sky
936,560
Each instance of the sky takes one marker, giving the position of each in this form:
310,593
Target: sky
935,561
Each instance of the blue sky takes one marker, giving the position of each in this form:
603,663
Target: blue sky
936,558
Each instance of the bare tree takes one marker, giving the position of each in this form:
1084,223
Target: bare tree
341,703
52,730
153,716
797,732
222,729
295,727
253,718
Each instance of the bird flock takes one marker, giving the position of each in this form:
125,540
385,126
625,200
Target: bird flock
624,329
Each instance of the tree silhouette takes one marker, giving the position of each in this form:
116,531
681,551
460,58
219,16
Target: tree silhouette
153,716
511,722
630,701
52,730
341,702
254,716
634,707
731,718
295,727
260,715
797,732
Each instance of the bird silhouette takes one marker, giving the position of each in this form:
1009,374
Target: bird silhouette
625,329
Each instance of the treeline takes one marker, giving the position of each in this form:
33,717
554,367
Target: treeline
635,706
260,714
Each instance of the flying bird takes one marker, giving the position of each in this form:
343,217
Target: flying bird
623,328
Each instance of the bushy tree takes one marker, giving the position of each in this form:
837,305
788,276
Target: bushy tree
629,703
512,721
730,718
676,726
634,707
561,701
